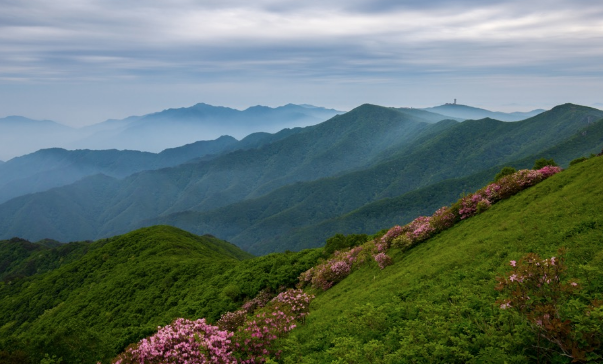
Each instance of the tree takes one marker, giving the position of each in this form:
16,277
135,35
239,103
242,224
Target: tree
543,162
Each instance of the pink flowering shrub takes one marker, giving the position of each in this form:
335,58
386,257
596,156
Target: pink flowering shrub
231,321
255,340
297,300
391,235
182,341
259,301
548,171
383,260
536,288
341,264
329,273
442,219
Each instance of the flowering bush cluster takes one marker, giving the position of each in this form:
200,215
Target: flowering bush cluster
391,234
326,274
505,187
182,342
258,301
383,260
231,321
243,336
297,300
255,340
536,289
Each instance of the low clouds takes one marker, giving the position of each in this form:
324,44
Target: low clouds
298,42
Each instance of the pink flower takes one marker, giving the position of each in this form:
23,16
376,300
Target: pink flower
513,263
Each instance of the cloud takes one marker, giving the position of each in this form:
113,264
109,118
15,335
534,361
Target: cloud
340,41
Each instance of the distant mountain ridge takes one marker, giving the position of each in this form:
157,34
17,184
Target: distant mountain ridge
468,112
314,174
156,131
54,167
48,168
343,143
474,149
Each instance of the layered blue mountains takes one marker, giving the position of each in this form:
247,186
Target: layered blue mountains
275,179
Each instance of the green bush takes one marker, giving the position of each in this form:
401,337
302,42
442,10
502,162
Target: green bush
543,162
340,241
504,172
578,160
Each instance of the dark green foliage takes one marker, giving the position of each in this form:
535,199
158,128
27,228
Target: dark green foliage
100,206
504,172
410,182
340,241
437,302
543,162
368,154
577,160
87,301
48,168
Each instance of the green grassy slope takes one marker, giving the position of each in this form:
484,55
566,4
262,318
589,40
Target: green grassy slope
436,302
91,304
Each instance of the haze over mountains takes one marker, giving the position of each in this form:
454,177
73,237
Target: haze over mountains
85,302
172,128
468,112
157,131
272,192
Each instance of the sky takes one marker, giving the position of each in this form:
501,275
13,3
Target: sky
80,62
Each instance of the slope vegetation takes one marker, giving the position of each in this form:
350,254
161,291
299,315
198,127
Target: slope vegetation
87,301
437,302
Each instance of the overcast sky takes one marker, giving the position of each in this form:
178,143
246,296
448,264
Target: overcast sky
80,62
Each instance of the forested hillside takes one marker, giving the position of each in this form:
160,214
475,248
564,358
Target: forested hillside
101,206
437,302
262,197
433,300
87,301
427,174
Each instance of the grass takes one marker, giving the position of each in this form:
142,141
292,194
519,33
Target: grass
436,303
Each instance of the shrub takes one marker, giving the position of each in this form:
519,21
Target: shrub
340,242
577,160
255,339
542,162
183,341
537,289
504,172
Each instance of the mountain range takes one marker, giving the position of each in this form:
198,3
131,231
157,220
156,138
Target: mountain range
469,112
86,302
156,131
304,182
